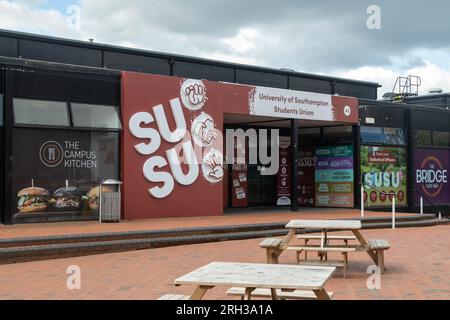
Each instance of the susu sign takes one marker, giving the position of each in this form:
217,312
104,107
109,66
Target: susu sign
203,131
172,144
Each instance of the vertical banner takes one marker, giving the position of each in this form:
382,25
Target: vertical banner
385,169
334,176
225,186
306,170
431,175
284,173
239,187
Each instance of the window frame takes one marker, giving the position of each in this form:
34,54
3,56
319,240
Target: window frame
69,115
96,128
415,145
40,125
433,139
385,143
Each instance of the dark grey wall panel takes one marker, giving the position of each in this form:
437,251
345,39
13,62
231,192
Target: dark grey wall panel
358,91
430,120
202,71
265,79
385,116
8,47
137,63
2,75
438,101
311,85
45,51
66,87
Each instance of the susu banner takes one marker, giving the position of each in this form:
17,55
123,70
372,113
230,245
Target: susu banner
306,170
334,176
431,167
284,173
385,169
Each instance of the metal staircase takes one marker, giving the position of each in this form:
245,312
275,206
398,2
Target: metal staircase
405,87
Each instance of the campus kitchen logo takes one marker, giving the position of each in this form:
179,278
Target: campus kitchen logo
67,154
432,176
197,145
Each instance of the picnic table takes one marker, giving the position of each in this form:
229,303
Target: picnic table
252,276
375,248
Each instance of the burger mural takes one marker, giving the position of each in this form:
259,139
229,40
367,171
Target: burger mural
32,199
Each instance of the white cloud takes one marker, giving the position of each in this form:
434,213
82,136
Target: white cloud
432,76
21,16
244,41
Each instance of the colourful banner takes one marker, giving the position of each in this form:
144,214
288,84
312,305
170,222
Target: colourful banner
431,175
334,176
385,169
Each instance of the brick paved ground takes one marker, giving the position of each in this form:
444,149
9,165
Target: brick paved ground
243,217
418,268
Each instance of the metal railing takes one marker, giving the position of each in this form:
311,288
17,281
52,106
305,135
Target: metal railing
437,211
381,192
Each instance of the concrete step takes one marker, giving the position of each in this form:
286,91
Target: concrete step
64,250
151,234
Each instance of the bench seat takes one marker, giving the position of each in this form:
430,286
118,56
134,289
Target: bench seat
378,244
327,263
318,237
174,297
320,249
271,243
266,293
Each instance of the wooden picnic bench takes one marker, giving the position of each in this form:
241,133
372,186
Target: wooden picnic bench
273,278
375,248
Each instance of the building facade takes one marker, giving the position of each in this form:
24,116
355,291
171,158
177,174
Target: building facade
75,113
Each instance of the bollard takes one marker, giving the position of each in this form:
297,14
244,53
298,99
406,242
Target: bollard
421,205
362,201
393,212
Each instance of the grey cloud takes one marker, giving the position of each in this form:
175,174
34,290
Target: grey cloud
315,36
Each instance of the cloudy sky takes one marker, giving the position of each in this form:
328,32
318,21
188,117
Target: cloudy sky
325,37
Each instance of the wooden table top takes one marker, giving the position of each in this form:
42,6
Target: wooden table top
324,224
256,275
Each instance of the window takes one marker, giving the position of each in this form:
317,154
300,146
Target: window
39,112
309,136
372,134
344,131
422,138
95,116
441,139
394,136
382,135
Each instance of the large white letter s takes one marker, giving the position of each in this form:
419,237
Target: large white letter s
158,176
145,133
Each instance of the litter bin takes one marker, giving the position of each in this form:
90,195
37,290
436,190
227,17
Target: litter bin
109,209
